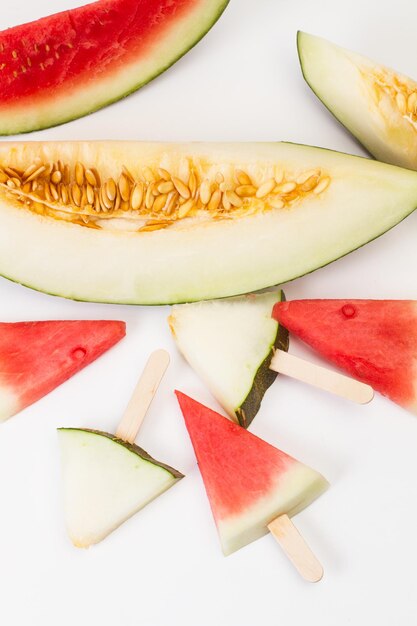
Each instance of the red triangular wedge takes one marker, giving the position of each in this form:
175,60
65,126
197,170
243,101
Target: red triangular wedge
375,341
248,482
36,357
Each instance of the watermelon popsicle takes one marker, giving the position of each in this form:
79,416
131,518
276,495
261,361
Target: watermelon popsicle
375,341
252,486
108,478
36,357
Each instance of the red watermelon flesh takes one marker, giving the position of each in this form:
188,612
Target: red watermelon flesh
248,481
79,60
36,357
375,341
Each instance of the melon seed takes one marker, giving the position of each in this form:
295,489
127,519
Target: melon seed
205,192
124,187
322,185
91,179
265,188
136,196
181,188
245,190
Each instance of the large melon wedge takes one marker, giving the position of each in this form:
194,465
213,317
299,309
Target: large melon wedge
151,223
375,341
72,63
106,481
377,104
230,343
248,482
36,357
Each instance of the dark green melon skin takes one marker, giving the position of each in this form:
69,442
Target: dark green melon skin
132,447
263,379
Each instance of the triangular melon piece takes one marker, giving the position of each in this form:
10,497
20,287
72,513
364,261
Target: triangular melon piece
106,481
36,357
377,104
375,341
248,482
230,343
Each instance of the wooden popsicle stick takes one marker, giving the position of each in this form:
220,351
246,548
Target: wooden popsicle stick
344,386
296,548
142,396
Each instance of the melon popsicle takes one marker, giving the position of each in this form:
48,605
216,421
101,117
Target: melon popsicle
108,478
375,341
249,482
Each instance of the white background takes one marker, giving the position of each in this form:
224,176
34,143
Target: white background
164,566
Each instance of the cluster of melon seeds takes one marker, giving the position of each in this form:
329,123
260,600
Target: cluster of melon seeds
155,198
402,91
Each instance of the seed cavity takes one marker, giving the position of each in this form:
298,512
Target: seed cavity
401,90
154,197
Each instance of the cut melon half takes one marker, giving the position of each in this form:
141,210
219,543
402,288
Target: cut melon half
375,103
152,223
248,482
36,357
72,63
106,481
230,343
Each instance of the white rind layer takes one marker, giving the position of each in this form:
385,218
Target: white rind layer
181,35
226,341
9,403
294,490
205,260
105,483
343,80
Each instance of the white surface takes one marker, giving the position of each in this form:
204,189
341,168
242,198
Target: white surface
164,566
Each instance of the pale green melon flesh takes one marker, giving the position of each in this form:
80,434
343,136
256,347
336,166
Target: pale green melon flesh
352,88
230,343
200,260
106,481
85,98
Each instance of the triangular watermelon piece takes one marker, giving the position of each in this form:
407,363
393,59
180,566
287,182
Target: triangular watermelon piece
248,482
36,357
375,341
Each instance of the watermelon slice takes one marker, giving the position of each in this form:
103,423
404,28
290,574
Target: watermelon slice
375,341
36,357
248,482
72,63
